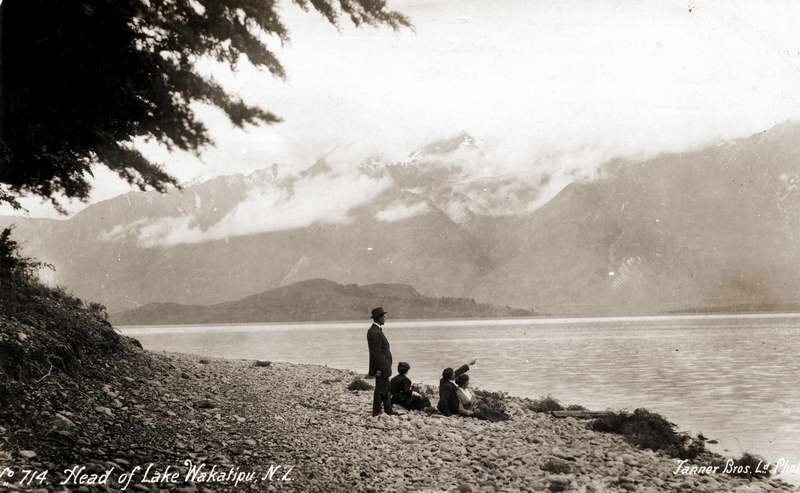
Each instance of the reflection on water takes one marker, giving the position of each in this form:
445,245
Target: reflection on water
731,377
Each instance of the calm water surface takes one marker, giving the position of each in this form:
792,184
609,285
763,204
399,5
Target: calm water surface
732,377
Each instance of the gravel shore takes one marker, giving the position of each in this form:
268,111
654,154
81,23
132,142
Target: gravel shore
181,415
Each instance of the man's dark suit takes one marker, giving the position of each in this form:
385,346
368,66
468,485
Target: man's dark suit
380,359
400,389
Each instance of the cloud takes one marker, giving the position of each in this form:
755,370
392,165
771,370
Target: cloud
171,231
479,179
267,207
121,231
474,178
399,211
319,198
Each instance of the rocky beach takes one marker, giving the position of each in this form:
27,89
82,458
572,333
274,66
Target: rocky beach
173,422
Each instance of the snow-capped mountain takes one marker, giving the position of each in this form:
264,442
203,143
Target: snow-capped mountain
715,227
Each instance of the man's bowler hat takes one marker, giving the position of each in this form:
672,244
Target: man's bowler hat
378,312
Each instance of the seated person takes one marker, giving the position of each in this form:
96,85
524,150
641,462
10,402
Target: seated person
448,397
464,393
468,401
400,388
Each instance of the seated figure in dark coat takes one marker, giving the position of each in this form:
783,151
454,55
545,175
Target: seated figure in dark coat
448,392
400,388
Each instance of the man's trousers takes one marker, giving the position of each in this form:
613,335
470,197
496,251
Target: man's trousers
381,398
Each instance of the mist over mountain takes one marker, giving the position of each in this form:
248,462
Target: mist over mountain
714,227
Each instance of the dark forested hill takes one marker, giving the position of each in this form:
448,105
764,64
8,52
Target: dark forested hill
316,299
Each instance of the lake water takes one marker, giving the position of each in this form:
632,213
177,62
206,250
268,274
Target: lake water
733,378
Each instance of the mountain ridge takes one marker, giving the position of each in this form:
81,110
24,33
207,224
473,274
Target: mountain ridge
715,226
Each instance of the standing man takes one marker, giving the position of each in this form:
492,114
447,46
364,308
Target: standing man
380,362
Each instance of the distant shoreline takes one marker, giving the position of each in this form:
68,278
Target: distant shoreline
444,322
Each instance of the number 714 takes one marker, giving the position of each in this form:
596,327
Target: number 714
31,476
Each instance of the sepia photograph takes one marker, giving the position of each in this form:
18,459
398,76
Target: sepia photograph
399,246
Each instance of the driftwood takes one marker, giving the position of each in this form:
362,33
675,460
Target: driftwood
580,414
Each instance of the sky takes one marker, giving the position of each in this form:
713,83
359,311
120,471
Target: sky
544,84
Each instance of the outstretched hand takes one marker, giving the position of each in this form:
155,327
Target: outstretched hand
473,362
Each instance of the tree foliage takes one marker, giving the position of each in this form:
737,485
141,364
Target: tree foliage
14,265
81,79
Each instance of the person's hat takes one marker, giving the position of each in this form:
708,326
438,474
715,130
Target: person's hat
377,312
403,366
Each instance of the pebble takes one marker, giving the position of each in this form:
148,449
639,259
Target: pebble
556,465
204,404
559,483
63,420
